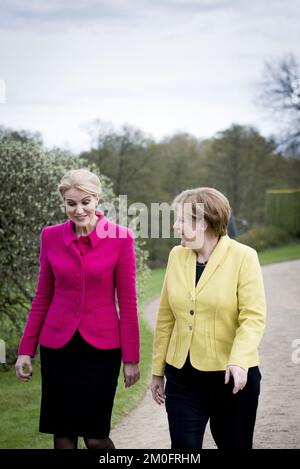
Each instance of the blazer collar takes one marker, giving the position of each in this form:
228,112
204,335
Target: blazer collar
216,258
69,234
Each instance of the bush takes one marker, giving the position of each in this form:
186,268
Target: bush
283,209
263,237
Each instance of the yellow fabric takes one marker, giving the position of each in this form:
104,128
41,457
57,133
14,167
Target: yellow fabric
229,309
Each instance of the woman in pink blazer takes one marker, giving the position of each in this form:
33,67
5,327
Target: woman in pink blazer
83,337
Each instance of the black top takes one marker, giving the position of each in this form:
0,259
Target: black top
199,269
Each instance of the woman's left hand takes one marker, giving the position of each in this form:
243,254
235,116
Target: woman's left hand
239,377
131,374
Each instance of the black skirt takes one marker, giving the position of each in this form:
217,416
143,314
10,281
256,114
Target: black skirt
79,382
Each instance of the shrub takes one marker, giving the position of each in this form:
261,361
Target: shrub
263,237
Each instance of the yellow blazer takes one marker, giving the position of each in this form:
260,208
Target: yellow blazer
220,321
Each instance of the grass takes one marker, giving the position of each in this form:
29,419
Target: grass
19,410
280,254
154,284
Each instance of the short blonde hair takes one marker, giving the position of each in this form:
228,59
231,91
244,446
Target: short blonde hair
81,179
216,207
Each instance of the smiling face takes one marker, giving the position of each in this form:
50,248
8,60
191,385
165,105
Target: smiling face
190,229
80,206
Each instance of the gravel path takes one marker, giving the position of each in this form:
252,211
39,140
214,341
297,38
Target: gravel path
278,418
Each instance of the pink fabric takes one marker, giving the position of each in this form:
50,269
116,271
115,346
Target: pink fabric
78,285
84,244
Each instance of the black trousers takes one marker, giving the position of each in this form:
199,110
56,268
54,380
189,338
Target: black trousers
193,397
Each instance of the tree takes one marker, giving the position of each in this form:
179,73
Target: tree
181,163
243,164
7,134
119,154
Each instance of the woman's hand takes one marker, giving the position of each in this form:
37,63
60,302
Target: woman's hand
158,389
22,362
239,377
131,374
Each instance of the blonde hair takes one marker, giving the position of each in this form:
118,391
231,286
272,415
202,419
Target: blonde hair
216,207
81,179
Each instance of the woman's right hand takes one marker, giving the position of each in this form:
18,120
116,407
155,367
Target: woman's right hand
158,389
22,362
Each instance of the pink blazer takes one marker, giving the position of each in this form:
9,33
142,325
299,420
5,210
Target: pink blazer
79,292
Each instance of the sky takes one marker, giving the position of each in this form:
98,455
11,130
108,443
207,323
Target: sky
162,66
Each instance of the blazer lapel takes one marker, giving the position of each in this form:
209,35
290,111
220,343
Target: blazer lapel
217,257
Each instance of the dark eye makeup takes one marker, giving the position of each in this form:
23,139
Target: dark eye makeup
85,202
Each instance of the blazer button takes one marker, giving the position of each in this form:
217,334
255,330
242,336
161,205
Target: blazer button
77,275
77,314
190,327
192,312
78,287
77,301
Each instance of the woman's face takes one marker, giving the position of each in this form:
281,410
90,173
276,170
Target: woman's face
80,206
191,230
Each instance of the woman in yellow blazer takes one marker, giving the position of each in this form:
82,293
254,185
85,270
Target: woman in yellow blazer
210,321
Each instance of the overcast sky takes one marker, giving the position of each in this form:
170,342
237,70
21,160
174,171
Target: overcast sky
160,65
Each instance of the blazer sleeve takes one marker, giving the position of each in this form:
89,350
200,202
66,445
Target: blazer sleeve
163,330
40,303
125,276
251,311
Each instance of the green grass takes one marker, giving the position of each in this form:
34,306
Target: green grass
19,410
154,284
280,254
